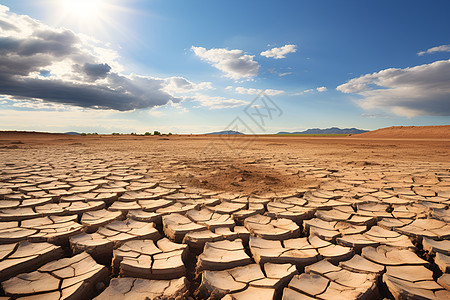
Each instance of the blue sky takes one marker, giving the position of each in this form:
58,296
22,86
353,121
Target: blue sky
195,66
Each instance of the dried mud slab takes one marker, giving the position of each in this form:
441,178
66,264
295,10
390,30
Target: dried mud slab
359,264
246,281
67,278
24,256
10,232
121,231
53,229
323,280
94,219
144,259
222,255
176,226
330,230
101,243
346,214
271,229
392,256
443,262
197,239
95,244
331,252
413,282
432,246
143,289
377,210
376,236
430,228
295,251
283,210
18,214
143,216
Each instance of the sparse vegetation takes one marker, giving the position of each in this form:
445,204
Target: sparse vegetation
156,132
147,133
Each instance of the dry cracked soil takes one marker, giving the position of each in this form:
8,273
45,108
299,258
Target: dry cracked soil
220,217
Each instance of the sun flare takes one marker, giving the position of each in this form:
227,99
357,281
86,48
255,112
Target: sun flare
83,9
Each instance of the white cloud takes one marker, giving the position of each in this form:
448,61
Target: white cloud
217,102
443,48
284,74
280,52
319,89
244,91
419,90
234,63
374,116
179,85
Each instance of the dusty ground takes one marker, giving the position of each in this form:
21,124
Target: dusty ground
400,176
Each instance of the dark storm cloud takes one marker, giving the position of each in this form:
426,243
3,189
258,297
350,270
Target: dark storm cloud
94,71
127,97
41,42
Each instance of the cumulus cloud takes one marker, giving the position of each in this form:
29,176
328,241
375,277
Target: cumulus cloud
59,66
321,89
218,102
419,90
179,85
443,48
234,63
280,52
244,91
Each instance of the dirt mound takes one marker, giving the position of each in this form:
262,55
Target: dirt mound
419,132
247,179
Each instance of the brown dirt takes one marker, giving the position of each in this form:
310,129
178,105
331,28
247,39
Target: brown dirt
248,164
427,132
245,178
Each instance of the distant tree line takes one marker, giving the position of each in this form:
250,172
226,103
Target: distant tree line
156,132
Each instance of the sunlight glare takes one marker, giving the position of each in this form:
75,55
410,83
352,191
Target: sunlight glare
83,9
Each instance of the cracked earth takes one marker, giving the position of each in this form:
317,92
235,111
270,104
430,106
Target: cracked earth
130,217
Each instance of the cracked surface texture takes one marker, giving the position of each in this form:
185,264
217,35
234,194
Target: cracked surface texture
130,217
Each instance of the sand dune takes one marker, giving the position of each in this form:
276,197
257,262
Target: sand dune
431,132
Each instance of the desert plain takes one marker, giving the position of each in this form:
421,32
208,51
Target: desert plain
225,217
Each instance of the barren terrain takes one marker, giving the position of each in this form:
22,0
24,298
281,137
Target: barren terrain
233,217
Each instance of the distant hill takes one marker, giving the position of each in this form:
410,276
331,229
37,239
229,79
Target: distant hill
416,132
331,130
72,133
226,132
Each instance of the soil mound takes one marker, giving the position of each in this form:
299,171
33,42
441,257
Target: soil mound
420,132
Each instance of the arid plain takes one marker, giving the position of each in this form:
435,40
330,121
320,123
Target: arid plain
233,217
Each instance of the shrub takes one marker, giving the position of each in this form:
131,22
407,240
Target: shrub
170,133
156,132
148,133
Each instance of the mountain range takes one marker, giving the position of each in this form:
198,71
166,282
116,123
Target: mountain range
226,132
331,130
